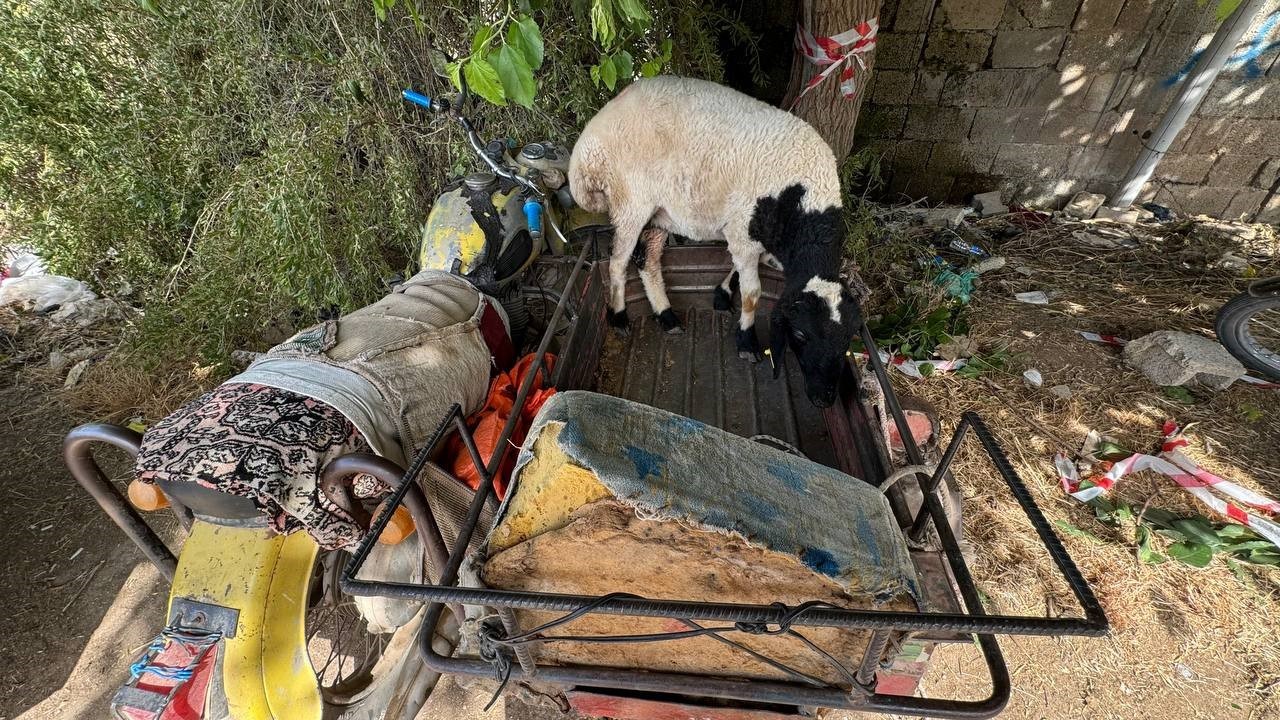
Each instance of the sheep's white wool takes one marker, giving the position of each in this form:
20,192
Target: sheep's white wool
827,290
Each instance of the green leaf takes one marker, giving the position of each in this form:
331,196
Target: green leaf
595,75
1192,553
608,73
622,62
379,8
527,38
634,12
1236,531
412,6
1074,531
1199,530
515,74
603,27
1224,10
454,71
151,7
1179,393
483,80
665,48
1108,450
481,41
1251,545
1146,553
1103,509
1263,557
1250,413
650,68
926,369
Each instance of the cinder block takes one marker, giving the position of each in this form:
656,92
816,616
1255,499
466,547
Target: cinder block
1118,158
912,15
928,87
1040,192
1246,204
961,158
938,123
898,51
1270,212
1027,48
1190,168
909,155
1191,17
891,87
1250,98
1022,14
1169,53
1241,135
1099,92
1196,199
1102,51
881,121
1051,89
1097,15
985,88
1031,160
1236,170
1082,160
1268,175
971,14
997,126
1071,127
1147,94
1137,14
950,49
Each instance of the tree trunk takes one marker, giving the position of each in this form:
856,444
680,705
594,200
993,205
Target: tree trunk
825,107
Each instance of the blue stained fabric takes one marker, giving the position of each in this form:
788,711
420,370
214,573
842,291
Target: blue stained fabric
672,467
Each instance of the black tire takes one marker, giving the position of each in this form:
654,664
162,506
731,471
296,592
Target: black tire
1257,352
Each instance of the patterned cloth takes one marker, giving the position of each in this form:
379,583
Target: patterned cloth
265,444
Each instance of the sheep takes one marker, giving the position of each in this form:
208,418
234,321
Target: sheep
692,157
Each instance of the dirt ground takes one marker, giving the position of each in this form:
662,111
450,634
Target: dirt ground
1185,643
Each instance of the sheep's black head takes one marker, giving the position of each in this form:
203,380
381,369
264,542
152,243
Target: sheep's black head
818,322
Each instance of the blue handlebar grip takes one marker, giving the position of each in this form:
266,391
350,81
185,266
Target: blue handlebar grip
417,98
533,217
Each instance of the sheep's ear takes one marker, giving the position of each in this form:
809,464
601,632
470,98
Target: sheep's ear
779,329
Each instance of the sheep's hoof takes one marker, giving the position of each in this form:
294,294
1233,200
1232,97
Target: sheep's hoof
723,300
749,345
618,321
669,323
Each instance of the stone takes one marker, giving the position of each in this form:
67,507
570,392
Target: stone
972,14
985,88
1084,205
1103,51
1033,378
988,204
57,361
1031,160
1190,168
946,48
940,217
76,374
1071,127
1237,170
1198,199
942,123
1062,392
1019,14
900,51
1129,215
891,87
1169,357
991,264
1003,125
958,347
1097,15
1027,48
1245,204
928,87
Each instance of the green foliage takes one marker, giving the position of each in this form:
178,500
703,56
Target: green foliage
1194,540
227,165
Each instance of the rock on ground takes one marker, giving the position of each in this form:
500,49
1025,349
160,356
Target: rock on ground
1169,357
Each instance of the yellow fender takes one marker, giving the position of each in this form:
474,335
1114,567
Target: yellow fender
264,577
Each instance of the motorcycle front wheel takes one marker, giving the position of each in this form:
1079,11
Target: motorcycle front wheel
1249,328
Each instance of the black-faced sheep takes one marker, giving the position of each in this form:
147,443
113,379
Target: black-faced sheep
695,158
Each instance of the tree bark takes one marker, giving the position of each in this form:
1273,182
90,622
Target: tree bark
825,107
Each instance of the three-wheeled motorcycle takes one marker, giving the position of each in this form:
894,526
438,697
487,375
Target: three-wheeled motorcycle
282,628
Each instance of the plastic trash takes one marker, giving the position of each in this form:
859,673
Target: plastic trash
1033,377
1036,297
44,293
1162,213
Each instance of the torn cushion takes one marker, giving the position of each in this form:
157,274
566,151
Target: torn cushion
614,496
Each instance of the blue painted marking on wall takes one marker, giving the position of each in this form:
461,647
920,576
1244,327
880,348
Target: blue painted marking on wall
821,561
788,474
1246,58
646,463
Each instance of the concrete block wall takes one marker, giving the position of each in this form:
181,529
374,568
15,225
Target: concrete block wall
1044,98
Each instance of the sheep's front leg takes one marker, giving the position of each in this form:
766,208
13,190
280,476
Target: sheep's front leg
723,300
749,285
626,232
655,240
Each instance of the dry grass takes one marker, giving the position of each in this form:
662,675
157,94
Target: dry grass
1185,642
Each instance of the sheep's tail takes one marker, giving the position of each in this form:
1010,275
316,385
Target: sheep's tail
589,176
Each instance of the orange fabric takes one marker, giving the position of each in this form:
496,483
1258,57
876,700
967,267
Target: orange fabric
486,425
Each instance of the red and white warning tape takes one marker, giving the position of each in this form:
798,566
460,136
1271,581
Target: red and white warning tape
838,52
1187,474
1121,342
